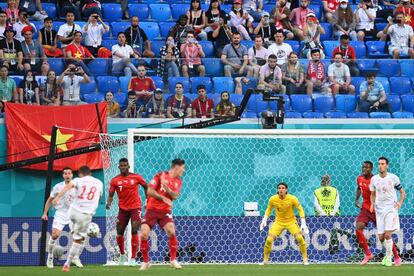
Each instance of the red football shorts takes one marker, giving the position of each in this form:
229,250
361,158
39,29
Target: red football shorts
153,217
366,216
125,215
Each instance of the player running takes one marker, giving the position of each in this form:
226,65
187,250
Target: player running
88,192
365,216
284,205
383,194
129,202
61,217
162,190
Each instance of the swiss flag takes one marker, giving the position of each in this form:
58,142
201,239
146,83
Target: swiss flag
29,131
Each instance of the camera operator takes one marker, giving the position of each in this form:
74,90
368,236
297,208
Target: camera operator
70,81
135,108
94,30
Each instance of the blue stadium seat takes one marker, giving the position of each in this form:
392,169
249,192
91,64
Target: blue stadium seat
88,88
56,64
119,27
395,103
165,28
329,46
408,103
407,68
248,115
80,23
384,81
151,29
402,115
108,43
111,12
251,85
156,46
317,10
192,97
179,9
107,83
380,115
123,84
223,84
294,44
268,7
160,12
301,103
99,66
3,6
323,104
159,82
376,49
367,66
335,115
226,8
213,66
50,9
356,81
236,99
293,115
388,67
56,25
215,98
380,26
247,43
140,10
400,85
185,81
360,49
195,81
256,104
208,47
93,98
345,103
120,98
357,115
328,32
312,115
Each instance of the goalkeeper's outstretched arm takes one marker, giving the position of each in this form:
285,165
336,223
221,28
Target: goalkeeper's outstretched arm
303,225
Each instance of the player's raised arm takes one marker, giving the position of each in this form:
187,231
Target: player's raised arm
47,207
64,190
267,214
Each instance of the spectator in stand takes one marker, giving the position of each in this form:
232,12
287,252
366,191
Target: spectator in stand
280,49
70,81
348,54
266,30
2,105
180,29
156,106
65,6
339,76
343,21
78,54
222,35
407,10
67,31
138,40
298,18
235,58
191,53
372,97
178,105
271,77
169,60
94,30
11,54
197,19
213,15
50,90
257,56
254,7
29,89
386,8
34,58
142,85
402,39
3,23
316,75
312,33
365,18
113,108
30,6
19,26
12,12
241,19
329,7
202,107
8,91
293,75
121,57
135,107
225,107
90,7
280,17
124,7
48,39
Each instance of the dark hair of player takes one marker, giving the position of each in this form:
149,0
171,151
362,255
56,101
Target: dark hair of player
85,170
283,184
383,158
66,168
369,163
177,162
122,160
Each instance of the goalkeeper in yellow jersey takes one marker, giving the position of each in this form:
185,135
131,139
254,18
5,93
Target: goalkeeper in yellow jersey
284,205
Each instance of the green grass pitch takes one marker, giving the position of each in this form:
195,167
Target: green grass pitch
218,270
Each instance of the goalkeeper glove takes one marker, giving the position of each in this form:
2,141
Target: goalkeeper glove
303,227
263,223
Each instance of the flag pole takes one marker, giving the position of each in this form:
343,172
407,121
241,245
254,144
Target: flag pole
51,159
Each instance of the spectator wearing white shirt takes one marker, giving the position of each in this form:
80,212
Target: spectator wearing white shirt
280,49
94,31
241,20
401,34
67,31
70,81
365,17
340,77
257,56
3,23
23,22
121,57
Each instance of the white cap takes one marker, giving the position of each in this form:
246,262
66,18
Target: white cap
343,1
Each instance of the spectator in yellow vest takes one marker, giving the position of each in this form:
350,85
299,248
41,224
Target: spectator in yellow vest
326,198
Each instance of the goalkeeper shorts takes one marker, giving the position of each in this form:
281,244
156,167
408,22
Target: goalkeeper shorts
277,228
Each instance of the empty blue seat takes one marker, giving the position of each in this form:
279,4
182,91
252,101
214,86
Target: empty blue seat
356,81
223,84
108,43
407,68
247,43
88,88
119,27
294,44
312,115
376,49
388,67
151,29
252,84
120,98
226,8
192,97
400,85
323,104
268,7
335,115
329,46
56,64
301,103
111,12
395,103
93,98
160,12
402,115
56,25
215,98
293,115
317,10
256,104
165,28
107,83
408,102
208,47
99,66
345,103
360,49
159,82
380,115
185,81
156,46
380,26
249,115
213,66
196,81
50,9
384,81
357,115
328,32
123,84
179,9
140,10
367,66
236,99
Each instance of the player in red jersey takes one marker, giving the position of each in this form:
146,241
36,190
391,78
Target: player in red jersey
162,190
365,216
126,186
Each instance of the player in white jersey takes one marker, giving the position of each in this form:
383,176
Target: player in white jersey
88,192
384,201
61,217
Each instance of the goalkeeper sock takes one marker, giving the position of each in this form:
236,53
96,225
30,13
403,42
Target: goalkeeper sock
50,247
267,248
362,241
302,246
173,244
388,248
73,251
395,251
134,245
120,241
144,250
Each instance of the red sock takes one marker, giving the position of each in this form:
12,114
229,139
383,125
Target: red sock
362,241
120,241
144,250
395,251
173,244
134,245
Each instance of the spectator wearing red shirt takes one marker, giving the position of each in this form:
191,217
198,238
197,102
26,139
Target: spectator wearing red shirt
192,52
407,10
76,53
329,7
298,18
202,107
141,84
348,54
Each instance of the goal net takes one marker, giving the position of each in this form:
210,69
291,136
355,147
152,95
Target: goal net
230,175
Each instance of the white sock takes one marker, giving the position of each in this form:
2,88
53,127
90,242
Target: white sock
50,247
73,251
81,247
388,248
